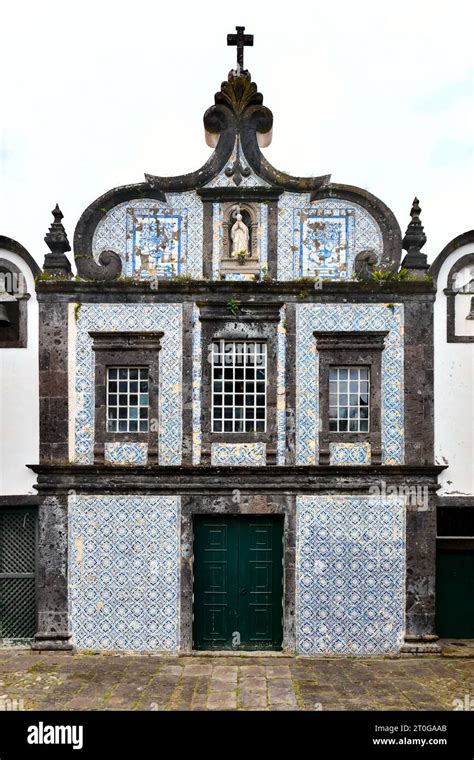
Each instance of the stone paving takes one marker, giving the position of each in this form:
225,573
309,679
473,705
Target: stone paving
64,681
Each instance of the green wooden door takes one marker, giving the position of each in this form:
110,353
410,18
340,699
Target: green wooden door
455,594
238,582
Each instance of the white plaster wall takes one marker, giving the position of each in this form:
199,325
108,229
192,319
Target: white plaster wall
454,395
19,405
462,308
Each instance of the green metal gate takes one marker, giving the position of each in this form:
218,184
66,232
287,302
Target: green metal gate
17,575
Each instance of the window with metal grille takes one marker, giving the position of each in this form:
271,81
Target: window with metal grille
349,399
17,574
239,393
127,399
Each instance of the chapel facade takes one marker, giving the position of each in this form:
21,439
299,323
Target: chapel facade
236,430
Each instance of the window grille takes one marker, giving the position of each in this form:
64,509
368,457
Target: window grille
239,393
349,399
127,399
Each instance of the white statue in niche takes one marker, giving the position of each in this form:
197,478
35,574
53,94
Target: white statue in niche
239,235
464,280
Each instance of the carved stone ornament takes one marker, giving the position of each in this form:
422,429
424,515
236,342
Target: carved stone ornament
364,264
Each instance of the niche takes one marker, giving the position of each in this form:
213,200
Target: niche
243,266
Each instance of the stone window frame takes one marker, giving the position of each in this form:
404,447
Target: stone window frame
351,349
256,321
261,505
17,335
451,294
125,349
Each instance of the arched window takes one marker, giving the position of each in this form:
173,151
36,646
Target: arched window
460,300
13,306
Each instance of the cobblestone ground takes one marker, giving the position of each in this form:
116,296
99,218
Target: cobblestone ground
62,681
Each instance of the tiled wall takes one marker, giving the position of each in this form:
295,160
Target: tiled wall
349,453
350,575
322,237
168,318
169,234
133,317
243,454
124,572
165,239
126,453
281,388
330,317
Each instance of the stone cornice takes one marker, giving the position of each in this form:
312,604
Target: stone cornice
350,340
234,194
297,479
298,290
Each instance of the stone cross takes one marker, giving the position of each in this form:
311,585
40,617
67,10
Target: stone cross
241,40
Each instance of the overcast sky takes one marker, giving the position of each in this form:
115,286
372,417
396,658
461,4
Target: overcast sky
97,92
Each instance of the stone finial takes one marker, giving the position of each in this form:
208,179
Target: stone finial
415,237
414,241
57,262
56,237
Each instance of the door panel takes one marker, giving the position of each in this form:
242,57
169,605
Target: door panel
213,593
238,582
261,575
455,594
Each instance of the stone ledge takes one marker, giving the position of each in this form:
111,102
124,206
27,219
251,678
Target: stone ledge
420,648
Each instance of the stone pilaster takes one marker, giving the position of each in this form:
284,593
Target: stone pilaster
53,381
52,585
420,635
